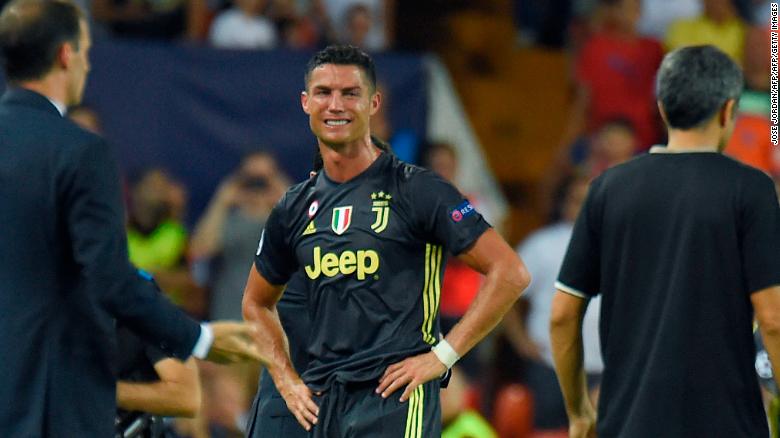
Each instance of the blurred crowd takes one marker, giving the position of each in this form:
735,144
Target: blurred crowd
247,24
506,387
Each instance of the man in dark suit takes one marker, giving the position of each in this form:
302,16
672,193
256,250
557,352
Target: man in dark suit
64,273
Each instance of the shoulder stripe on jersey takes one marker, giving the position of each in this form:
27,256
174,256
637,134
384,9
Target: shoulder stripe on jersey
431,290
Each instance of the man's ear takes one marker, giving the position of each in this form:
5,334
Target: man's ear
65,55
305,102
662,112
727,112
376,102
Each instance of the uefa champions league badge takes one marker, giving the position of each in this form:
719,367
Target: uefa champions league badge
313,208
463,210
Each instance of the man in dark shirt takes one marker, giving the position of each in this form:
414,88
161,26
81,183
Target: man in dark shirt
65,276
371,233
682,245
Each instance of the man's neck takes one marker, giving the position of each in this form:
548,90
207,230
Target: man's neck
705,140
51,87
345,162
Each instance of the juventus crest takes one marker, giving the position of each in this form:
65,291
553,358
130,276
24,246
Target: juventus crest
380,205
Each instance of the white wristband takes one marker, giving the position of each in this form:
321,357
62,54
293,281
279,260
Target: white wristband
446,354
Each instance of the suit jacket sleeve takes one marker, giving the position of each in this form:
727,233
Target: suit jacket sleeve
95,218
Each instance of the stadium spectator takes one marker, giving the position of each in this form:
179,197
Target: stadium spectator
301,24
757,60
718,25
657,15
358,24
157,241
614,143
225,235
682,246
244,26
614,74
529,333
166,19
751,143
365,326
379,13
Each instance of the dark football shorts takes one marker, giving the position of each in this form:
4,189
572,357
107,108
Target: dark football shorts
354,410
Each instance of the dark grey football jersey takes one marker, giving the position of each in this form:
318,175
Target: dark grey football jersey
374,249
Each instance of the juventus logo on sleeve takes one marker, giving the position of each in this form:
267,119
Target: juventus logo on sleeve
380,205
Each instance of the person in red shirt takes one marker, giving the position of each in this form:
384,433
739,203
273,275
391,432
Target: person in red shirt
614,73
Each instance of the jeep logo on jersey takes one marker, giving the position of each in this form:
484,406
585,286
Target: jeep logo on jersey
342,217
360,263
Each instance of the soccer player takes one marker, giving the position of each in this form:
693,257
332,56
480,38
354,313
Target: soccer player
269,416
682,245
370,233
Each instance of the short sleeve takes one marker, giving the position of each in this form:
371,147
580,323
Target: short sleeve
444,214
275,259
581,270
760,235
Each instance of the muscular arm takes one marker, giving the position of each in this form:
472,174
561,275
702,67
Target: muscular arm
259,307
505,278
177,393
766,304
566,341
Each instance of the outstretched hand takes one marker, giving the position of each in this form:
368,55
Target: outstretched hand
410,372
233,342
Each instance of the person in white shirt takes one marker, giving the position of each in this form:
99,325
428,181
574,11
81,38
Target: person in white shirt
244,27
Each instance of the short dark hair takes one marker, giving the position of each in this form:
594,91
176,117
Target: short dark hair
694,82
343,55
31,32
